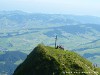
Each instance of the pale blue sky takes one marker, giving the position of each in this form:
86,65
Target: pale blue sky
78,7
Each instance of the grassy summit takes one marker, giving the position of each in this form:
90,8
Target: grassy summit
45,60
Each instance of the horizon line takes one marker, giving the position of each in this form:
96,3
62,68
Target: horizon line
28,12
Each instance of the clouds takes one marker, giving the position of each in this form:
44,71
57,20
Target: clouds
53,6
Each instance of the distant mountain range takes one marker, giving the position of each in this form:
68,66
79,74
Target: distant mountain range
22,31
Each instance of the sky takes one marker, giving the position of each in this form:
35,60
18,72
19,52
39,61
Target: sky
77,7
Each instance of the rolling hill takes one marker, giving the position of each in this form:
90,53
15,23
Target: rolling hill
45,60
9,60
22,31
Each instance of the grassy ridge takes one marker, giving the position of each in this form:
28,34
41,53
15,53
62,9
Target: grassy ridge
47,60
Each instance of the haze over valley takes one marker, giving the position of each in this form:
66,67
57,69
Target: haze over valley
22,31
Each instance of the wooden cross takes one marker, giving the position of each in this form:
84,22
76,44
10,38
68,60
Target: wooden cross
56,41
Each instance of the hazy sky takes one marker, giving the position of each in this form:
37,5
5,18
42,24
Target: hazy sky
80,7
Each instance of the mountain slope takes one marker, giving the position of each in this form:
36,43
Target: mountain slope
45,60
19,29
9,60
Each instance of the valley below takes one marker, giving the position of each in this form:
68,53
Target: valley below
21,32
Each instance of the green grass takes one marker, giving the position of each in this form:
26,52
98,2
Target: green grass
50,61
97,70
1,52
18,62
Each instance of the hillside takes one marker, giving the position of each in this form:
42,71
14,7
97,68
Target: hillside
19,29
9,60
45,60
